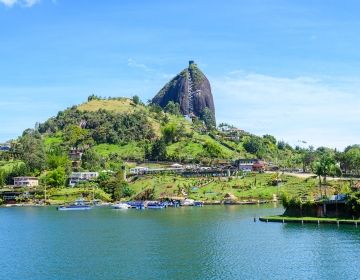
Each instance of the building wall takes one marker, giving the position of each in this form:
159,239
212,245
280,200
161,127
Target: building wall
26,182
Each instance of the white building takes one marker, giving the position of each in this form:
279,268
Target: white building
78,177
20,182
138,170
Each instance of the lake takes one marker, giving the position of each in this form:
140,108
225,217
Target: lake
213,242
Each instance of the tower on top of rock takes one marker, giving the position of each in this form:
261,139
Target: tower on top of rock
192,91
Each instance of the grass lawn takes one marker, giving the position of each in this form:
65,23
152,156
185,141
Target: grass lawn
53,140
131,150
251,186
67,195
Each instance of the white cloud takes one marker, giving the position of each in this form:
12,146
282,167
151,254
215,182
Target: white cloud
132,63
24,3
321,111
8,3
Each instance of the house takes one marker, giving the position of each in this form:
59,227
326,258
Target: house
75,156
138,170
248,165
259,166
245,165
21,182
79,177
176,165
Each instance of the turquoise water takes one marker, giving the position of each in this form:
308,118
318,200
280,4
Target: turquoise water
213,242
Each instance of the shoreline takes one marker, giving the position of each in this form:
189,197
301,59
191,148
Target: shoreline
206,203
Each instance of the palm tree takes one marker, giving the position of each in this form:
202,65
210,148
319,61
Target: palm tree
325,166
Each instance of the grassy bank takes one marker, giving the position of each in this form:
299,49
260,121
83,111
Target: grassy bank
248,187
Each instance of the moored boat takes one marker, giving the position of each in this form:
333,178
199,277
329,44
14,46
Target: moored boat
198,203
136,204
187,202
156,205
122,206
79,204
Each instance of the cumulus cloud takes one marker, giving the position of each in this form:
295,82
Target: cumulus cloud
24,3
321,111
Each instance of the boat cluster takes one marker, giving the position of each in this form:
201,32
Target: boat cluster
81,204
157,204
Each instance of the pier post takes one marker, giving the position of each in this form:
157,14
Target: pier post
318,222
338,223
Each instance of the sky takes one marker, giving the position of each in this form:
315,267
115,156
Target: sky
286,68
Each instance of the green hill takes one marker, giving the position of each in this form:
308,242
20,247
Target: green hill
116,132
121,127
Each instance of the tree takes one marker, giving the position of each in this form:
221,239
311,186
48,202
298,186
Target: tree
254,145
117,187
307,158
91,160
270,138
172,132
213,149
324,167
352,160
158,150
30,148
55,160
172,108
2,178
94,97
209,118
56,178
136,99
75,136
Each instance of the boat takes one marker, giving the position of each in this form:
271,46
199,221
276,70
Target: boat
187,202
79,204
122,206
156,205
174,204
136,204
198,203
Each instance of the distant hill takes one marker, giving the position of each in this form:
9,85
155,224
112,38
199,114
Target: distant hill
120,126
126,129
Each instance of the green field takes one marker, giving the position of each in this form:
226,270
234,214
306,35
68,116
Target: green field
251,186
131,150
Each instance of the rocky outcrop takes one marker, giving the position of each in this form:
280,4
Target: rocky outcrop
191,89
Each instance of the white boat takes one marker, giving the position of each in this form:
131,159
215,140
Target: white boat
122,206
187,202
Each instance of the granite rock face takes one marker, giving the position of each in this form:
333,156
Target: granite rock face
191,89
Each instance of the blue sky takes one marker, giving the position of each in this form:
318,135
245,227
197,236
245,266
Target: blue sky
287,68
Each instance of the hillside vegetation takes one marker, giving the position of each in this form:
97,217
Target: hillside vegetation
117,132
